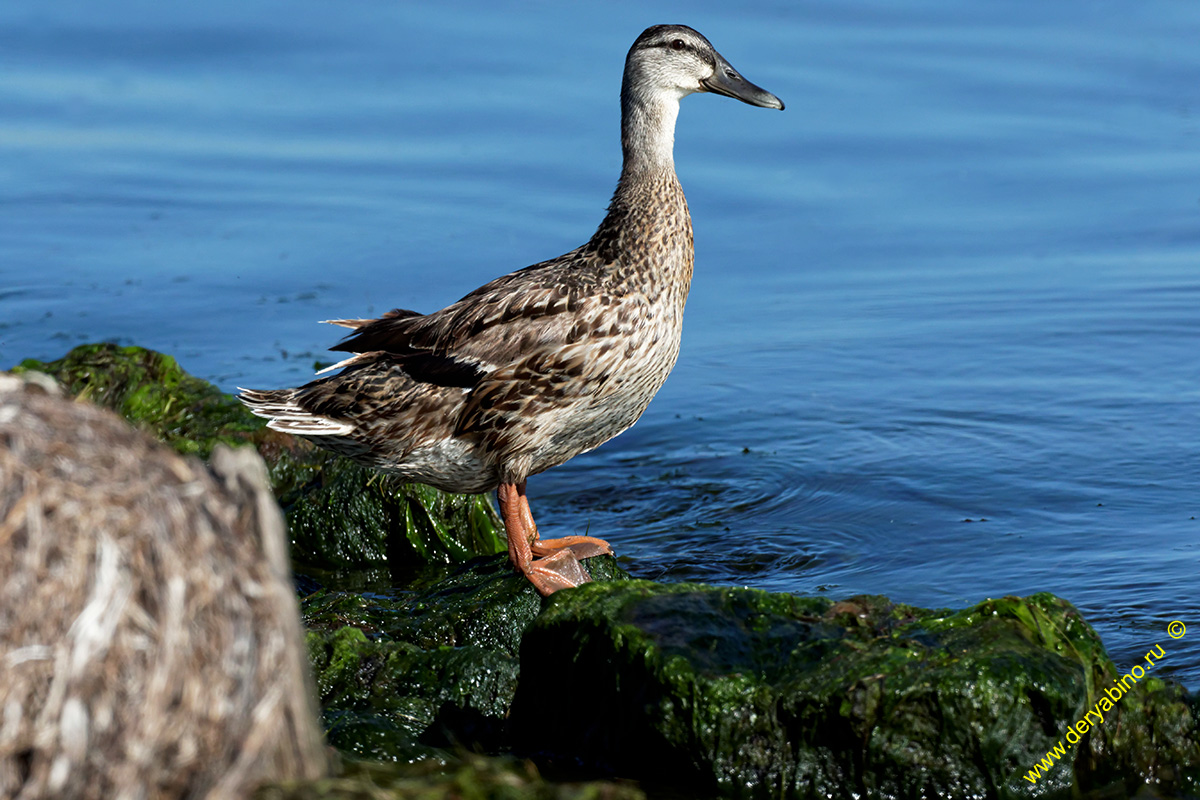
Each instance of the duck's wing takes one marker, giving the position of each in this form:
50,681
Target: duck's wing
551,302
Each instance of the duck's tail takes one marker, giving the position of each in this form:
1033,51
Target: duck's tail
283,413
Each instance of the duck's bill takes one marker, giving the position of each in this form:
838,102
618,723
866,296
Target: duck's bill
728,81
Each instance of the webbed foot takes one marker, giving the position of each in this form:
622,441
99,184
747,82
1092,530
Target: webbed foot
557,566
559,571
581,546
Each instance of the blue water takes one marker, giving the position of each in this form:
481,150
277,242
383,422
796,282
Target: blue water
942,340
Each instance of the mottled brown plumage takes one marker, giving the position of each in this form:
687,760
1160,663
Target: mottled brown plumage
546,362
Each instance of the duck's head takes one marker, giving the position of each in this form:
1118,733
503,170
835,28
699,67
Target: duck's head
675,61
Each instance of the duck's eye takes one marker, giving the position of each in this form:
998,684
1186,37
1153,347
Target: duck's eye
677,44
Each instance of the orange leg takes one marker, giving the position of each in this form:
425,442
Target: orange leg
560,567
581,546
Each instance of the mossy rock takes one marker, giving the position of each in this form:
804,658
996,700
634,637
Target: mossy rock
482,602
152,392
404,675
463,777
393,701
742,693
340,515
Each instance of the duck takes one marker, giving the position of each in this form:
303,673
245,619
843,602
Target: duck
544,363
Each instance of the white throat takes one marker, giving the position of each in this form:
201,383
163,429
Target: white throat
648,130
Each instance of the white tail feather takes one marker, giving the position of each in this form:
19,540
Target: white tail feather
310,425
347,323
345,362
286,416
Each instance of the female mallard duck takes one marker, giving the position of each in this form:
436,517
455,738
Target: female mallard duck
544,363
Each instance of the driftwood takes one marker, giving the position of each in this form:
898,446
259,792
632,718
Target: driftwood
150,643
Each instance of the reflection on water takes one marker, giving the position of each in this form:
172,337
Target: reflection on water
941,341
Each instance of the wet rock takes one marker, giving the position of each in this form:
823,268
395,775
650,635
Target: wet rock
339,515
153,394
149,631
465,776
419,672
342,515
742,693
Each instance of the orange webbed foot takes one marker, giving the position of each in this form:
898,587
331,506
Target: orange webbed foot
558,564
559,571
581,546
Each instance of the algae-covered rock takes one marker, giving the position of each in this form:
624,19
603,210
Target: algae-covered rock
742,693
464,777
153,393
344,515
403,675
339,514
394,701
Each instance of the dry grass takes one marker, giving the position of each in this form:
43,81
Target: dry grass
150,643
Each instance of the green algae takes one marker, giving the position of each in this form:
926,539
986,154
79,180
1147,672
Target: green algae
153,393
1151,734
344,515
465,776
394,701
741,693
482,602
402,676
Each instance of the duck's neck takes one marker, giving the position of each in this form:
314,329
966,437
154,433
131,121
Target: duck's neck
648,228
647,132
648,231
648,187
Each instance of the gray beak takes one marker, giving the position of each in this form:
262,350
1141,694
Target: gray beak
728,81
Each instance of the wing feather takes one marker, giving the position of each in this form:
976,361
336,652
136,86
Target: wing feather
493,325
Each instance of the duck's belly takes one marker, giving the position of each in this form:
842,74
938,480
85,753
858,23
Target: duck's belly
615,389
452,465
